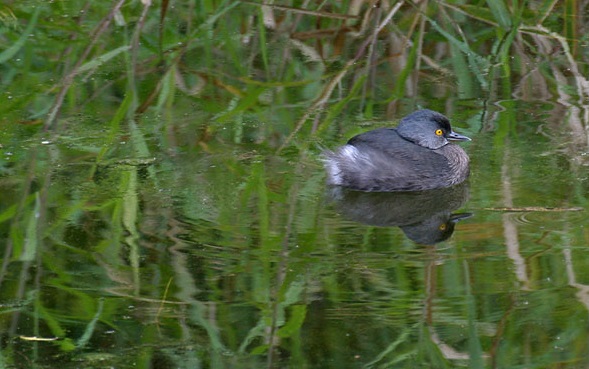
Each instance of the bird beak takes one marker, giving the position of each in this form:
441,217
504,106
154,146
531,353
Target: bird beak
453,136
454,218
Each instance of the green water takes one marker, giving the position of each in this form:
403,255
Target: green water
149,225
236,257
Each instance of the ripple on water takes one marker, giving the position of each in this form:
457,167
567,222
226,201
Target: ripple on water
548,217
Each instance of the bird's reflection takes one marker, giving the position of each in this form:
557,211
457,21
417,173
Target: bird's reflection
424,216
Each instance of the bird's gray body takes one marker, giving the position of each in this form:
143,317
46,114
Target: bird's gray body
410,158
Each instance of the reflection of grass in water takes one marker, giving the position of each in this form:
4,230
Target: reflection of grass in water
265,77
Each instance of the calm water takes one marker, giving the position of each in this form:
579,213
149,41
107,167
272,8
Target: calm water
229,256
176,216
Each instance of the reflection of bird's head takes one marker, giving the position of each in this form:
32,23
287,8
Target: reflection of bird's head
424,216
436,229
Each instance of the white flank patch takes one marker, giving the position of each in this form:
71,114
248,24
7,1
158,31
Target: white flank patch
350,153
347,159
334,174
355,160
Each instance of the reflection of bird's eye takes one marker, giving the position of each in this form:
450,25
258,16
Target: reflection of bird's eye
442,227
439,132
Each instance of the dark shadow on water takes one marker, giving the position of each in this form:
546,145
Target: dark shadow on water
424,216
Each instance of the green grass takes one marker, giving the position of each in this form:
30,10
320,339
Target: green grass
161,188
278,46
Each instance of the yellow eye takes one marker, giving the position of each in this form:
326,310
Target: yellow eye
439,132
442,226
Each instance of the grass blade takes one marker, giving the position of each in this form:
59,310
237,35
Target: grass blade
12,50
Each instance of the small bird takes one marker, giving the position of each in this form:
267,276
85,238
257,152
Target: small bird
415,156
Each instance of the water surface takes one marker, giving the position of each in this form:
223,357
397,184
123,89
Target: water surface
151,225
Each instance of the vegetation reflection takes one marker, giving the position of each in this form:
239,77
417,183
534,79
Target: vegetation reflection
163,204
